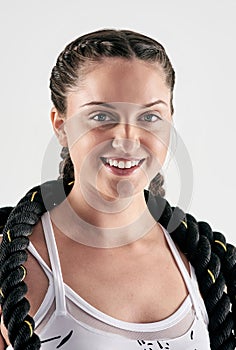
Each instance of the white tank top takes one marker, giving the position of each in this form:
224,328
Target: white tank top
68,322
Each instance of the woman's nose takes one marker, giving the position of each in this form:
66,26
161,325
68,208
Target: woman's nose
126,145
126,138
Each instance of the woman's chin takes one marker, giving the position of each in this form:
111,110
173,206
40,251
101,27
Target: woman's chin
124,188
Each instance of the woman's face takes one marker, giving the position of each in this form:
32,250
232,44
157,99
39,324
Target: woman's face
111,135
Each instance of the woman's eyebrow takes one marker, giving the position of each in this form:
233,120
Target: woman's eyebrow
113,107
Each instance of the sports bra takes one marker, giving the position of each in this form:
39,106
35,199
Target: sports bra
68,322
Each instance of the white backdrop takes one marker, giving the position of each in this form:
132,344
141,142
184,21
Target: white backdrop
200,40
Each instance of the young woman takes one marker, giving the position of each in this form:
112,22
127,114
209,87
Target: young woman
93,260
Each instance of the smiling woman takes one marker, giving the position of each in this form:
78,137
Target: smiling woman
93,259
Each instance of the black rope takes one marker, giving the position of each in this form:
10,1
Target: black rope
213,259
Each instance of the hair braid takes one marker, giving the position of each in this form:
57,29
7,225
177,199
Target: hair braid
155,186
66,168
82,53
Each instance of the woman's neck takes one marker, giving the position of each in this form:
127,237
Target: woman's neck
97,222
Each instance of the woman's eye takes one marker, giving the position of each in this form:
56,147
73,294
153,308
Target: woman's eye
151,117
104,117
100,117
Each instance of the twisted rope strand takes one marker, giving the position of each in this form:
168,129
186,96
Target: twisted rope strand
13,254
214,263
197,241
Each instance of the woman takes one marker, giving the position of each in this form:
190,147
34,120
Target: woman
89,261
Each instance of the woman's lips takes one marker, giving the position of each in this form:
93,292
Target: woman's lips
122,166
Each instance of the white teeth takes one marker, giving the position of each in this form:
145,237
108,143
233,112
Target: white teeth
128,164
122,164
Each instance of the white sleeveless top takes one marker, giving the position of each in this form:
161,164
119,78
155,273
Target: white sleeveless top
68,322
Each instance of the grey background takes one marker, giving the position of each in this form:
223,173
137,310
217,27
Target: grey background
200,40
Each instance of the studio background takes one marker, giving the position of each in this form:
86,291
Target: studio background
199,38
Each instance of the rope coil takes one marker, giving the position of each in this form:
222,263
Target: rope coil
197,243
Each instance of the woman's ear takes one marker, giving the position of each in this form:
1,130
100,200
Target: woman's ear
58,126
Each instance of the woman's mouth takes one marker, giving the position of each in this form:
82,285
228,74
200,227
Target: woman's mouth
122,166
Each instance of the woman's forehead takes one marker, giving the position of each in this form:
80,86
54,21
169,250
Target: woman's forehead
138,85
123,69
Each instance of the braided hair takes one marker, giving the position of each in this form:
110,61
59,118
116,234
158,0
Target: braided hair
214,260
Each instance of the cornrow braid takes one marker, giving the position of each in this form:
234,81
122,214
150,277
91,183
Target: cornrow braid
66,168
213,259
155,186
81,54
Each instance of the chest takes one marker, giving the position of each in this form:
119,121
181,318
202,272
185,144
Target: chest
134,287
130,288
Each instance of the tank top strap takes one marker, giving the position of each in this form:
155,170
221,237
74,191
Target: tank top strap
31,248
55,264
189,283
